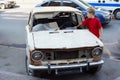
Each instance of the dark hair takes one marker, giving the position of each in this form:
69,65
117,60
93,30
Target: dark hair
91,10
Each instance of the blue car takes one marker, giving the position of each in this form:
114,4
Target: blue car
102,14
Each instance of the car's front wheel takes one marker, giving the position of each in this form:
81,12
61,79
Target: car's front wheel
93,69
36,73
28,70
2,6
117,14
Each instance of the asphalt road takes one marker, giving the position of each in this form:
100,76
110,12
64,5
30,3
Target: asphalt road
12,47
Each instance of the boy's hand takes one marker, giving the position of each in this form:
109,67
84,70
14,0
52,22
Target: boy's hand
76,26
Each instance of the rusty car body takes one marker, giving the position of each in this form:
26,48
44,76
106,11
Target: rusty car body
54,45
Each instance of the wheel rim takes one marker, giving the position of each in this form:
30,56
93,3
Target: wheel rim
2,6
29,71
118,15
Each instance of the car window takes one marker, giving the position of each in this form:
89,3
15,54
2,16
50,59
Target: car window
46,26
74,17
44,4
79,4
84,3
59,3
51,3
54,3
77,18
65,3
59,20
71,4
80,18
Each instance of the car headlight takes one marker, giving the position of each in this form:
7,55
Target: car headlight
37,56
97,52
106,15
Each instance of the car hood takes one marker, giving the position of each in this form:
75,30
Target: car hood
102,10
64,39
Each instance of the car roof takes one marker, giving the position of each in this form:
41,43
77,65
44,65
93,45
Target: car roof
54,9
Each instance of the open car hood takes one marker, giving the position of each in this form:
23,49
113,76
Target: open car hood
63,39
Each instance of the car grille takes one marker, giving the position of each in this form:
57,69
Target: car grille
61,55
67,54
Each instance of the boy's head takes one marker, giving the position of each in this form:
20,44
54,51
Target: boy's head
90,12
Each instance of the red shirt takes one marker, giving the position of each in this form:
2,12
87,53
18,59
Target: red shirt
93,25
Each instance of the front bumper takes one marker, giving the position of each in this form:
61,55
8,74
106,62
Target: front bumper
11,5
65,66
107,20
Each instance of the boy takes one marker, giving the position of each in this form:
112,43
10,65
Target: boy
92,23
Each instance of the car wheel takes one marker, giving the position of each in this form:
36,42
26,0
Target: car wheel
117,14
2,6
93,69
30,72
12,6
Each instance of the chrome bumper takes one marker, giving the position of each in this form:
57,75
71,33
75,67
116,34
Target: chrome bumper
52,67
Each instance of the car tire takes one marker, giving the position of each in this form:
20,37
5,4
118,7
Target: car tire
93,69
117,14
12,6
30,72
3,6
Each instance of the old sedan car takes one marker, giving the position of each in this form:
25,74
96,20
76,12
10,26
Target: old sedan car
7,4
103,15
54,45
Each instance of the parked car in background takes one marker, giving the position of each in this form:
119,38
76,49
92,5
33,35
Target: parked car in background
102,14
111,5
54,45
7,4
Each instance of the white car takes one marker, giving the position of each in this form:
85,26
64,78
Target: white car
54,45
7,4
111,5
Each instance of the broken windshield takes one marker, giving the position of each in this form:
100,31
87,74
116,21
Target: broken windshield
56,21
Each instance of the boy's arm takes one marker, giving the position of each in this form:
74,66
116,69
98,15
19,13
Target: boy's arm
84,23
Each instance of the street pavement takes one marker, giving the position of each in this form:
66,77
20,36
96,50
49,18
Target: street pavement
12,76
12,47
